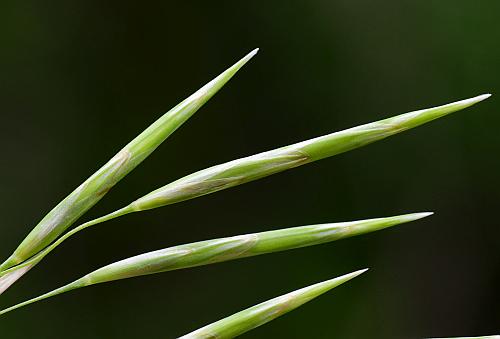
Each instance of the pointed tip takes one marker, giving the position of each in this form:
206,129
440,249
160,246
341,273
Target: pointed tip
416,216
206,92
240,63
346,277
476,99
417,118
358,272
250,55
318,289
484,96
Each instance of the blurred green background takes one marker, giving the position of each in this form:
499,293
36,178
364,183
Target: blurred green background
79,79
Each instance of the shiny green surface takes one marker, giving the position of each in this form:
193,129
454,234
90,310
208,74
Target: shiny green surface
260,314
257,166
95,187
81,78
219,250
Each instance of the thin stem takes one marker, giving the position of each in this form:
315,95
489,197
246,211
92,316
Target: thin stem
38,257
71,286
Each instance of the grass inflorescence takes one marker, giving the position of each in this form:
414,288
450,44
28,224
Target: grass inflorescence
49,233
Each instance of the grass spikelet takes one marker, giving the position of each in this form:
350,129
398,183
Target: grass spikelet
223,249
267,311
94,188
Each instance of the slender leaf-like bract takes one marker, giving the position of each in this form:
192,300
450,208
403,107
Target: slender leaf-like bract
224,249
257,166
267,311
481,337
95,187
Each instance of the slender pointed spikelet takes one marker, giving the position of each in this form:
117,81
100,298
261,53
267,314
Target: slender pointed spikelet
95,187
257,166
219,250
480,337
267,311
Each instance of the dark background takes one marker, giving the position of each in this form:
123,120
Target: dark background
79,79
